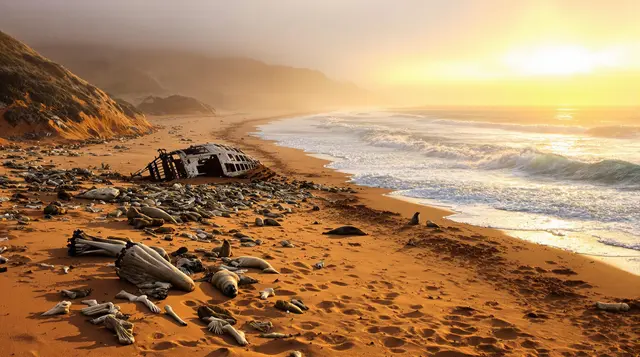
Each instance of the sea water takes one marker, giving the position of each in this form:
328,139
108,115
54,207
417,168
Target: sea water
568,178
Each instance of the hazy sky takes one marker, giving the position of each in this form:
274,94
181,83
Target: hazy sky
376,43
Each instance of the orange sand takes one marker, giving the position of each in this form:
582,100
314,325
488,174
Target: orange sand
459,291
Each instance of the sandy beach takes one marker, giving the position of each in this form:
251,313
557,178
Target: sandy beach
457,290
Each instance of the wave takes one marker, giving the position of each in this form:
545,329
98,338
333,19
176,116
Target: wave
557,166
615,243
529,161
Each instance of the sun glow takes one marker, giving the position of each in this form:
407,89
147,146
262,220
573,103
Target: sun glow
561,60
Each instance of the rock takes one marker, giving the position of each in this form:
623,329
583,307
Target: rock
415,220
287,244
259,222
432,225
104,193
114,214
168,237
54,210
164,230
271,222
316,208
64,195
346,231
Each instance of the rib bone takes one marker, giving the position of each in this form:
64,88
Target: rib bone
100,309
122,328
215,325
238,335
175,316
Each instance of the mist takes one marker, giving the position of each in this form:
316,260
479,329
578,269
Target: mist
373,43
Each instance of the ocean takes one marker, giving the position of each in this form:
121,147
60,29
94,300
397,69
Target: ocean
564,177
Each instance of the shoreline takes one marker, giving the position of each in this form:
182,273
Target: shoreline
291,161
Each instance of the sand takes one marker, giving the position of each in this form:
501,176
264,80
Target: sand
401,290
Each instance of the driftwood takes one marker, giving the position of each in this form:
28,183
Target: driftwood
141,265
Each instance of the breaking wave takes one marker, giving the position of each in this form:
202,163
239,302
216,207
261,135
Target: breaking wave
496,157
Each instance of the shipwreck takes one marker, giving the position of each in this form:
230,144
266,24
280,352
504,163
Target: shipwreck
210,160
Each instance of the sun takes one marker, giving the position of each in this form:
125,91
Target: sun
559,60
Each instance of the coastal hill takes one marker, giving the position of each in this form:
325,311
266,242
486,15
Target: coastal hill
174,105
40,98
224,82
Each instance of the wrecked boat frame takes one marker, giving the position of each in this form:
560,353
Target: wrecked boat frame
212,160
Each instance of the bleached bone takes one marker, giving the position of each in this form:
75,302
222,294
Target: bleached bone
612,307
98,320
122,328
66,269
238,335
253,262
141,265
295,354
60,309
207,311
48,266
215,324
83,244
277,335
264,294
262,326
175,316
319,265
100,309
142,298
299,304
3,249
90,302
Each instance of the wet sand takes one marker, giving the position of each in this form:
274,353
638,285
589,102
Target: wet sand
401,290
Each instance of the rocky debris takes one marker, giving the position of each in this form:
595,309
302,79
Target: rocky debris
271,222
54,209
190,266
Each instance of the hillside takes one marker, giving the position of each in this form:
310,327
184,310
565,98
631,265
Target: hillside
224,82
174,105
40,98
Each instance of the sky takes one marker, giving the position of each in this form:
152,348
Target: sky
436,51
